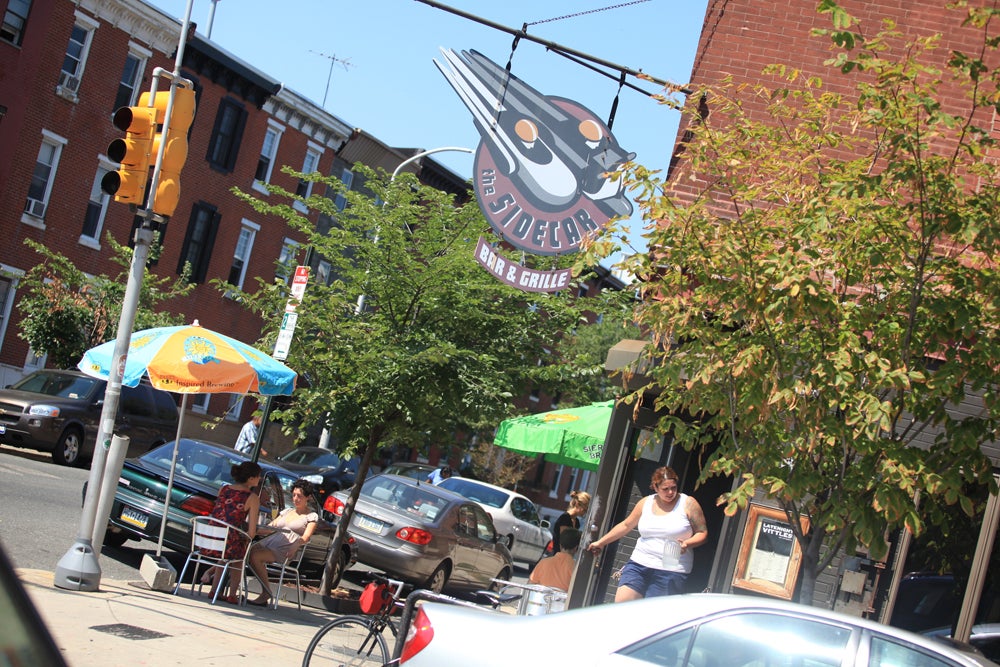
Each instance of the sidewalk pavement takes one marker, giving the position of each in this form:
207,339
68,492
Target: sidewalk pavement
126,623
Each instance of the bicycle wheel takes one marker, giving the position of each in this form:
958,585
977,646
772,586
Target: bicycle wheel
347,641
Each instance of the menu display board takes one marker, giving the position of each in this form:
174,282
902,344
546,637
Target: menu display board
770,556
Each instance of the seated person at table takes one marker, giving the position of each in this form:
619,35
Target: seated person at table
285,535
557,571
236,503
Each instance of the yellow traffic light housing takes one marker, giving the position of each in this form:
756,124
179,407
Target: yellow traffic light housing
175,146
134,153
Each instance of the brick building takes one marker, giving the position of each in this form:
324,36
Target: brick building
739,39
66,66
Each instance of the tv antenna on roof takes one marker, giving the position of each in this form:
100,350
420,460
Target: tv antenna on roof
345,62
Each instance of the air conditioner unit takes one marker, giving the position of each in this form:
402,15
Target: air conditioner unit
35,208
69,82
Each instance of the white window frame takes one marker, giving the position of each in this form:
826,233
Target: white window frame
8,272
235,408
104,166
289,249
198,403
313,154
34,209
347,178
276,130
142,55
244,248
69,82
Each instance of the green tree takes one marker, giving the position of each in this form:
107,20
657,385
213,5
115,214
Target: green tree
412,340
65,312
822,288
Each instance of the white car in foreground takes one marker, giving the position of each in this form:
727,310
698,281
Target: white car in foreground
514,516
698,630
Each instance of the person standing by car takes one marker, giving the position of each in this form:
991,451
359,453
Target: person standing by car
248,437
670,525
557,571
579,502
235,503
439,475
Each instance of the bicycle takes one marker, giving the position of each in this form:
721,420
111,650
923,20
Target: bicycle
358,639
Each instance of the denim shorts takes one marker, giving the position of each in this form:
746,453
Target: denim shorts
650,582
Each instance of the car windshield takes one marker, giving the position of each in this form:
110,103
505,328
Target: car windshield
476,492
195,460
402,496
320,459
57,384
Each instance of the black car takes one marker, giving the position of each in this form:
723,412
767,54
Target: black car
322,467
58,411
202,469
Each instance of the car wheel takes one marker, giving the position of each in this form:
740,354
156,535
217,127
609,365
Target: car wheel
115,540
67,451
436,582
504,575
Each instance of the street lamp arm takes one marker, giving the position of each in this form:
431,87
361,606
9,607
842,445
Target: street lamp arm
421,154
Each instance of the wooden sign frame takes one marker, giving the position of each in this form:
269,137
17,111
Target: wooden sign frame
770,556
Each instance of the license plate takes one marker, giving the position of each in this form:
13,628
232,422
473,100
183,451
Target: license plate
3,429
134,517
369,524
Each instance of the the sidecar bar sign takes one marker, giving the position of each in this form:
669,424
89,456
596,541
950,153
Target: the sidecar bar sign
515,275
547,168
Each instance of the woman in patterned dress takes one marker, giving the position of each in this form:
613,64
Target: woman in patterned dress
235,503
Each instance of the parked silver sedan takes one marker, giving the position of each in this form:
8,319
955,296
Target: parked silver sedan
424,535
699,630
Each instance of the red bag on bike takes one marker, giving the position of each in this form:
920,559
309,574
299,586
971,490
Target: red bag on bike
374,598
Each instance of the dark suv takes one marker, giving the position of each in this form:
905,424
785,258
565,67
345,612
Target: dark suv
58,411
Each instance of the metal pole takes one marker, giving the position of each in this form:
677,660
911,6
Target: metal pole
980,564
79,568
360,308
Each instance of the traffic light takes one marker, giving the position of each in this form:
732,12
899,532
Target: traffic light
134,153
168,188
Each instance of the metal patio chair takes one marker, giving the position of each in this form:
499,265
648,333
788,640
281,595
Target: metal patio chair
209,538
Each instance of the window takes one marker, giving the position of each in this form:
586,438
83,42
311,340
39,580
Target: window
199,403
224,145
286,260
347,178
268,152
14,20
235,408
76,56
323,272
41,180
8,287
241,256
309,165
128,87
886,652
97,208
750,639
199,240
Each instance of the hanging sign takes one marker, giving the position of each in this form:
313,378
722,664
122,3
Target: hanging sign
545,167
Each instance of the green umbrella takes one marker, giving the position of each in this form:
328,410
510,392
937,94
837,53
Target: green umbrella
573,437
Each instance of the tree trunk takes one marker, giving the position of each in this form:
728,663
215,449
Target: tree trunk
809,568
327,581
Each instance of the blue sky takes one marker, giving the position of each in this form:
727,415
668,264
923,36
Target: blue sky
391,88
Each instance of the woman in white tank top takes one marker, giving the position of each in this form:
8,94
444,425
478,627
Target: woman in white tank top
670,524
